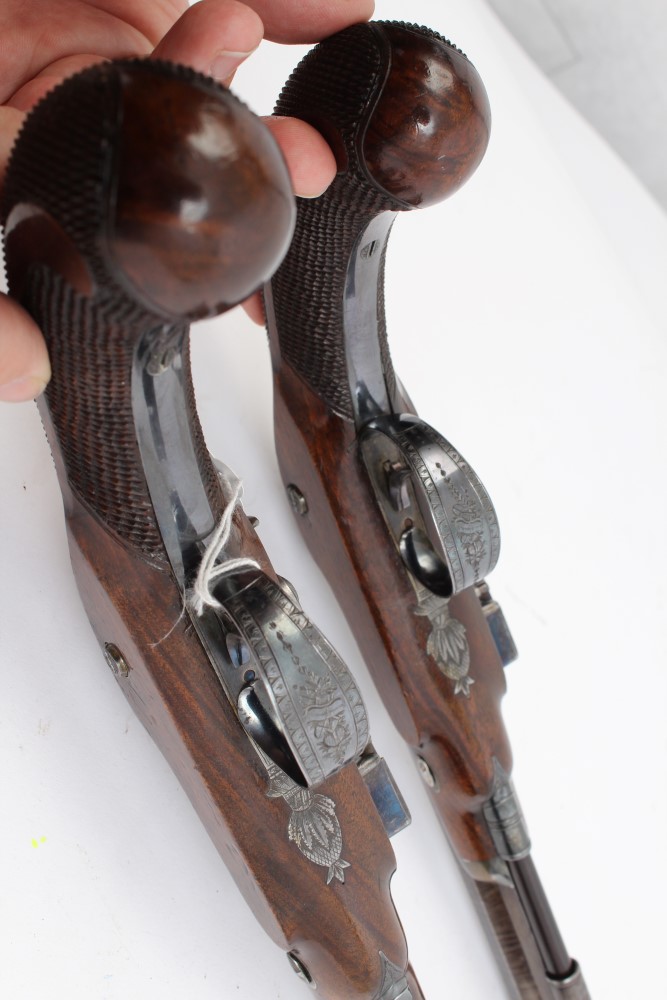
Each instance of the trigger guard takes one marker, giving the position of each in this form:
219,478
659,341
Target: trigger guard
294,696
445,527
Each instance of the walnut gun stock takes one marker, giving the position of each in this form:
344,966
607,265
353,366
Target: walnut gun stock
141,196
399,522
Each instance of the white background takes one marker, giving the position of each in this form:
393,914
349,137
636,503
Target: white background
527,321
608,57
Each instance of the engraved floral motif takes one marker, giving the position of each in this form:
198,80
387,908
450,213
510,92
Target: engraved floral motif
315,700
325,709
468,522
448,643
313,825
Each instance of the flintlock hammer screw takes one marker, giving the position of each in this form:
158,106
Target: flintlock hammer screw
426,772
116,660
297,500
301,970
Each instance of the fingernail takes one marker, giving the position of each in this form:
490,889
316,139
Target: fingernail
22,389
225,63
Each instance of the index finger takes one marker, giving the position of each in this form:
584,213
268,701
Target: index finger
10,123
309,20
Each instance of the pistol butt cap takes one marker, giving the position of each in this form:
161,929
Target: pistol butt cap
203,224
174,195
430,127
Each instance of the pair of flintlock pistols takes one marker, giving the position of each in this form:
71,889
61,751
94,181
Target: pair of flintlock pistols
142,196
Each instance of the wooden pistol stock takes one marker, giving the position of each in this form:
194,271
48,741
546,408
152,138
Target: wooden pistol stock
399,522
141,196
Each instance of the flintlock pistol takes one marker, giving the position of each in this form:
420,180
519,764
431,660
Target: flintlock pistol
141,196
399,522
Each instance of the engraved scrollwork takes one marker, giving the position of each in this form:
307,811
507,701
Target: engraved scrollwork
310,690
329,726
434,496
313,825
467,522
323,708
448,642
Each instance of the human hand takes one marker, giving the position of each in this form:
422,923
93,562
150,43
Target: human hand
46,41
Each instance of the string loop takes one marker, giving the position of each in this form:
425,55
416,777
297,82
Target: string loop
210,570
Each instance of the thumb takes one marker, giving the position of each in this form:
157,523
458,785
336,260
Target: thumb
24,361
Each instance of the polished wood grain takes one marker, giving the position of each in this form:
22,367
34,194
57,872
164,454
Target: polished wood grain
430,127
199,227
139,196
180,207
415,119
457,736
336,930
414,123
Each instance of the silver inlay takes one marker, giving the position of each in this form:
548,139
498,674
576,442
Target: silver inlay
313,825
447,643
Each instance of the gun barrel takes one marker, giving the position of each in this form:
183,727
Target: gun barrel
555,956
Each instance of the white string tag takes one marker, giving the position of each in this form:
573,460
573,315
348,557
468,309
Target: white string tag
210,570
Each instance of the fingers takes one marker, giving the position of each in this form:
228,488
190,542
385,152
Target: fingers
254,307
10,123
214,37
44,33
309,20
312,167
311,163
27,96
24,362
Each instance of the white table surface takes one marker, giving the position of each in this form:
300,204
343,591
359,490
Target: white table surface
527,320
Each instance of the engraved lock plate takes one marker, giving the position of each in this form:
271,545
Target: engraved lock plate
439,513
294,695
